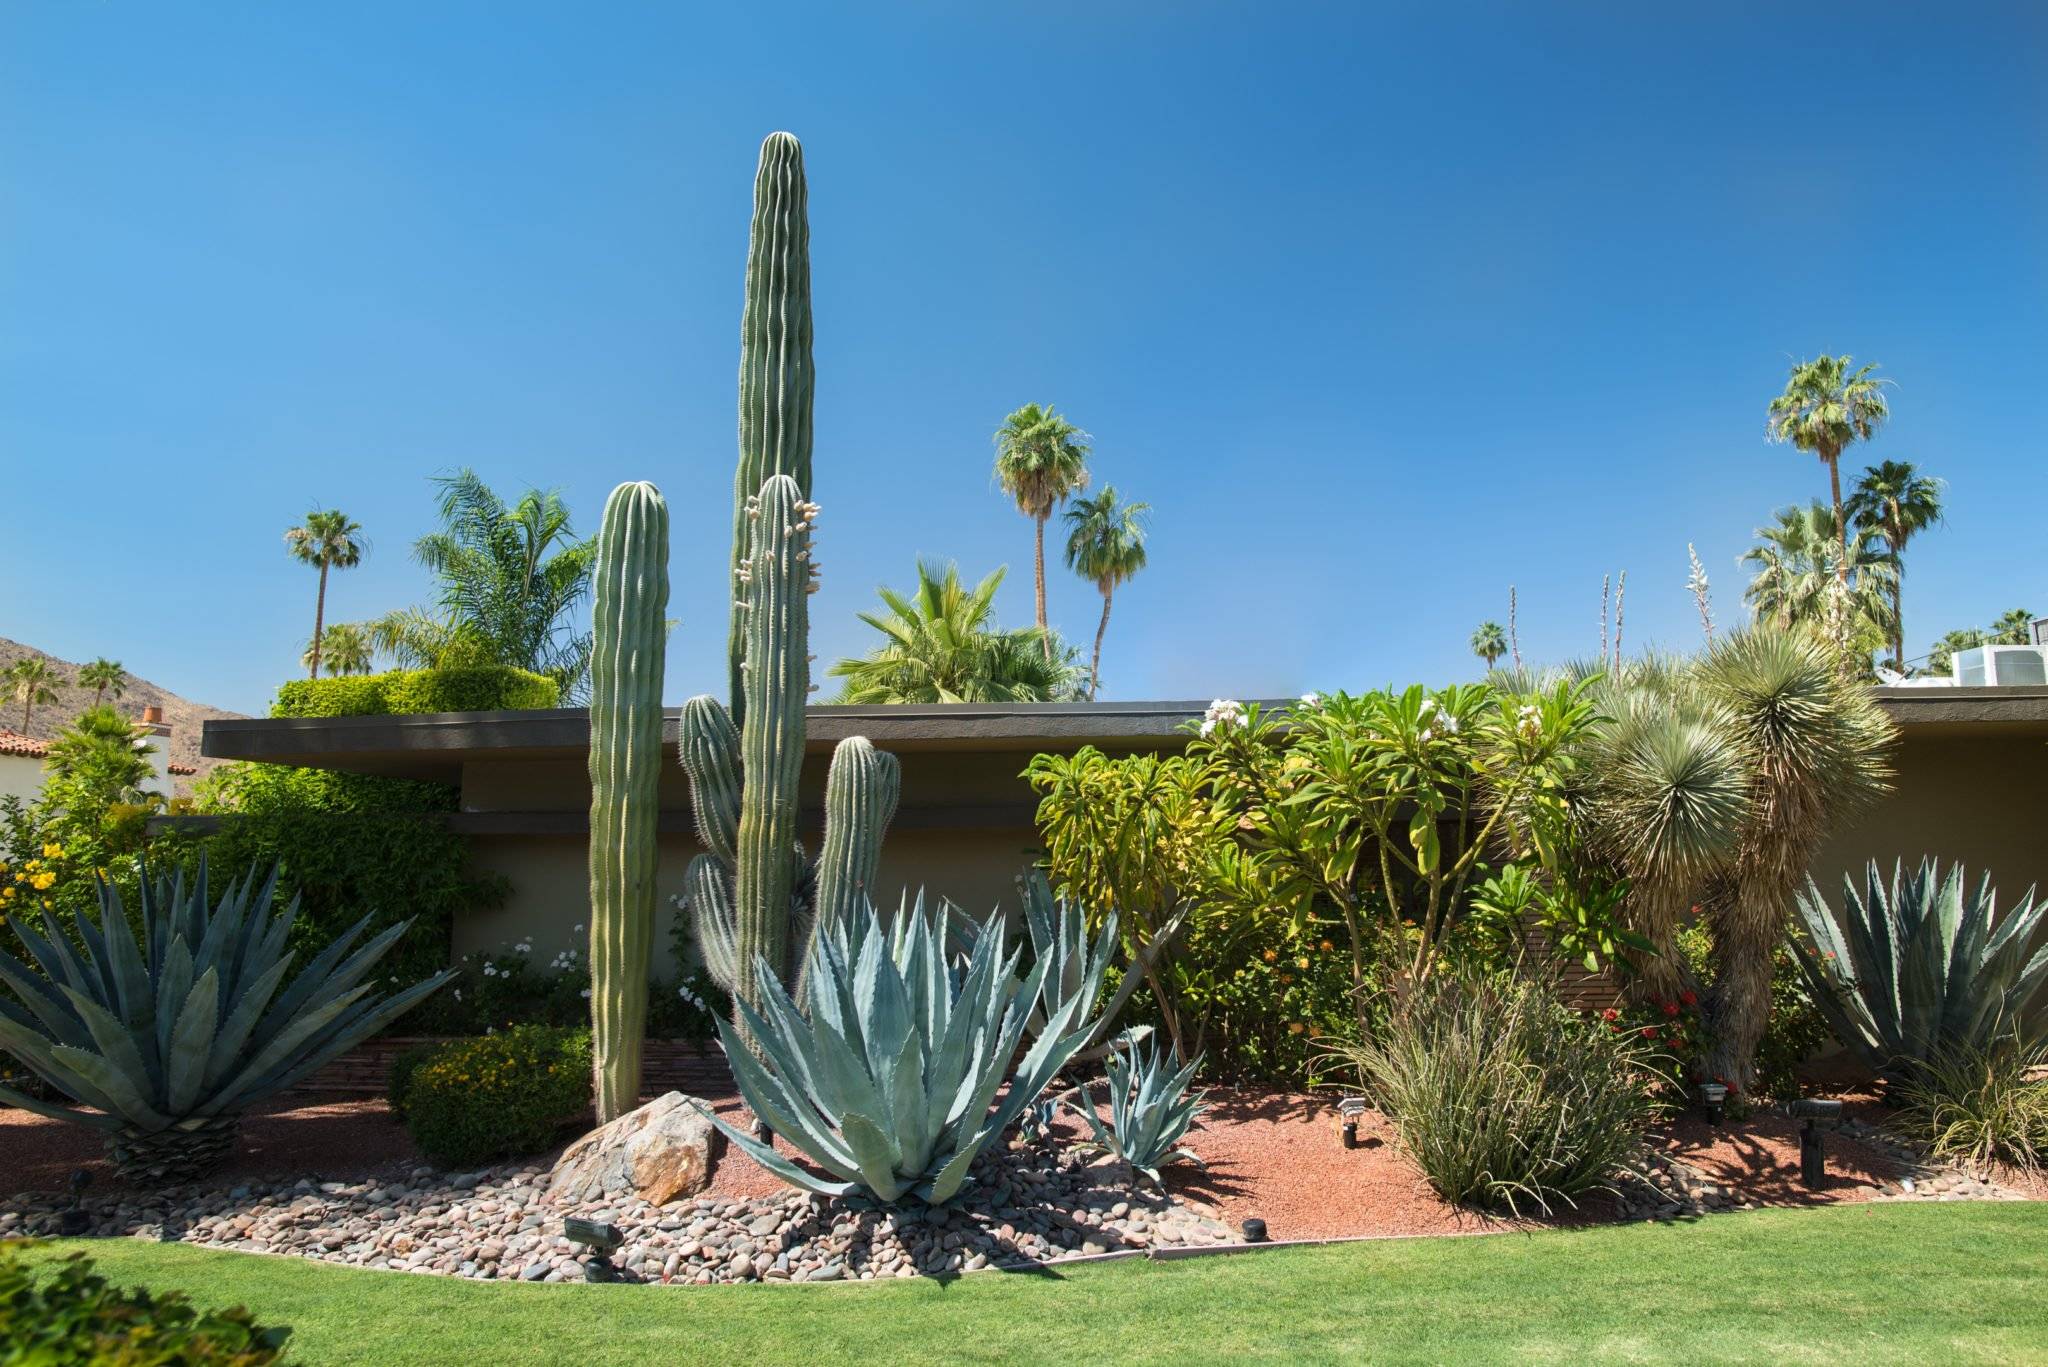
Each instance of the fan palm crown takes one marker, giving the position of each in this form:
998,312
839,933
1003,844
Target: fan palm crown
1897,502
327,540
1800,572
1105,544
103,676
1828,403
1041,458
32,683
1489,642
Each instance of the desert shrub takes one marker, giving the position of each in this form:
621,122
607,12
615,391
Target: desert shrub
351,845
498,1096
67,1313
1504,1096
404,692
398,1079
1975,1103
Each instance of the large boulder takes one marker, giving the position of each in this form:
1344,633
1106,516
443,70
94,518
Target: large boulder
657,1153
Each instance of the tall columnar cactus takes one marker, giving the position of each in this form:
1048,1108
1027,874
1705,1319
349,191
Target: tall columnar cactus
630,633
776,376
754,895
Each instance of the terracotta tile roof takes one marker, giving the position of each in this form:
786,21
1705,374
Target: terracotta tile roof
14,743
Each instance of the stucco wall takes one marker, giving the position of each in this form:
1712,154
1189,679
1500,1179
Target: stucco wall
550,889
1974,794
20,776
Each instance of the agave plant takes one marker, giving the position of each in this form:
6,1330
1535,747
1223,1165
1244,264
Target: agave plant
1917,972
170,1040
1149,1107
1059,939
890,1085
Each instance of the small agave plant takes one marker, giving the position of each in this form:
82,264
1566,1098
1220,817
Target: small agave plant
1150,1108
170,1040
890,1084
1910,974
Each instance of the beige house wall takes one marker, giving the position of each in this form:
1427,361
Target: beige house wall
1975,793
21,776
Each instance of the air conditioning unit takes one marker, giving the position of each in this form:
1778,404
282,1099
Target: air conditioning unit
2000,666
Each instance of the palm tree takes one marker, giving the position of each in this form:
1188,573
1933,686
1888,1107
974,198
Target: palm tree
939,647
1041,458
103,676
1800,577
34,684
344,649
2012,629
1941,659
1824,408
1106,544
509,578
327,540
1897,502
1489,643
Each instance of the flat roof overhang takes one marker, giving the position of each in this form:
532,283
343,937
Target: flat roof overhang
435,746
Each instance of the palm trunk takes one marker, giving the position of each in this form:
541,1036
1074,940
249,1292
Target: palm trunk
1898,609
319,620
1834,460
1095,665
1038,580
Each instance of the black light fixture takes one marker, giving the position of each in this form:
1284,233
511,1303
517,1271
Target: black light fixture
602,1240
1813,1159
1714,1096
1351,1107
1254,1231
74,1222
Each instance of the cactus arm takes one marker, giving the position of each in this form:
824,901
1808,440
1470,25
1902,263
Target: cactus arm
709,746
777,581
630,637
776,374
860,800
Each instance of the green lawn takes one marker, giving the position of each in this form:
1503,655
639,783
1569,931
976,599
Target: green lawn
1960,1282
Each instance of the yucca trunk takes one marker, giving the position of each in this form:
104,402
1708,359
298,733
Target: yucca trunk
160,1158
1749,922
1655,910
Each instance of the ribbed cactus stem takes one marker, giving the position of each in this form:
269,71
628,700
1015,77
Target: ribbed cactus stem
777,677
776,375
861,790
629,640
710,751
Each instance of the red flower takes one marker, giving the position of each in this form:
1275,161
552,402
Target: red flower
1688,998
1610,1014
1670,1009
1648,1032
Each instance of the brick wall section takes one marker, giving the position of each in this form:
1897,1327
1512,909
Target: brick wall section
670,1066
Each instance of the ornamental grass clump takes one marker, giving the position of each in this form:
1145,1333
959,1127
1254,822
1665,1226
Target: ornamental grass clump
1505,1097
1980,1104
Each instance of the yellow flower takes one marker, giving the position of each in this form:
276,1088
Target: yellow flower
1286,978
1271,955
1326,946
32,865
1302,962
53,851
1295,1027
42,881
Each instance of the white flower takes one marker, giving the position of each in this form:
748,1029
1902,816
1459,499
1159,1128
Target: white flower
458,994
1222,712
490,971
585,994
1207,727
1311,700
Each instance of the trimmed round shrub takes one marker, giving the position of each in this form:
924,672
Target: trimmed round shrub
1504,1096
398,1081
65,1313
472,1101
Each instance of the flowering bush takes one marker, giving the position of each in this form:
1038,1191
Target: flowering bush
471,1101
495,991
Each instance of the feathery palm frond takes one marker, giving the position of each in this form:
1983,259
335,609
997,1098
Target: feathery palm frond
939,647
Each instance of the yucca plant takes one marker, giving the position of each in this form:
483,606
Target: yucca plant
171,1039
1149,1107
890,1084
1918,971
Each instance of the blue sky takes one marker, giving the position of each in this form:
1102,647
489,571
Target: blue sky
1382,308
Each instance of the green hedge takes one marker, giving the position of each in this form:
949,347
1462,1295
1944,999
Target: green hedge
406,692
